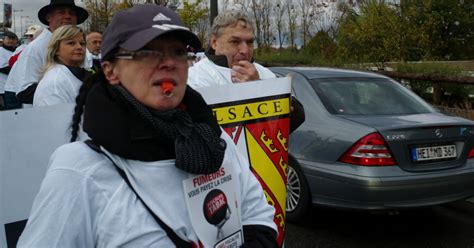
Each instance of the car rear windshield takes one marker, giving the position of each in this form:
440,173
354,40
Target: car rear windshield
368,96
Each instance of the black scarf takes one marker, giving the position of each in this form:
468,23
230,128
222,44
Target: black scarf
79,72
9,48
115,120
220,60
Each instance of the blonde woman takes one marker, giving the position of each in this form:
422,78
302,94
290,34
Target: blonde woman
63,73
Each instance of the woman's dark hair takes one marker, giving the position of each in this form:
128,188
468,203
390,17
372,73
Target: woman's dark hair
81,101
98,77
89,82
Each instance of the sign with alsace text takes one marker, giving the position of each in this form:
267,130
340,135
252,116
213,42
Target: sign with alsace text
256,116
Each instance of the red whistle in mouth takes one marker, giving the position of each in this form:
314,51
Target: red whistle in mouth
167,88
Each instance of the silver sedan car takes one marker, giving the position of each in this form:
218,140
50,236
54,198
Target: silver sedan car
370,143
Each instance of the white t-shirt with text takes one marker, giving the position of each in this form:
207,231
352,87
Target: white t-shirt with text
83,201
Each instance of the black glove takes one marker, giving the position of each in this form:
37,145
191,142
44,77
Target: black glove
258,236
297,116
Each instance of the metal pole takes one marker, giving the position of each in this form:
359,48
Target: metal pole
214,11
13,13
4,19
21,24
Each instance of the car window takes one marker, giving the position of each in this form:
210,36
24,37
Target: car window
367,96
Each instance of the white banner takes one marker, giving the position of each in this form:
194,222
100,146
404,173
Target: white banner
27,139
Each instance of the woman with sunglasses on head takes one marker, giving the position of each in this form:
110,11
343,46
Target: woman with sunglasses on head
151,136
63,73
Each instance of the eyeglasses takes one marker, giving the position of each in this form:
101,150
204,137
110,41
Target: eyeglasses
154,57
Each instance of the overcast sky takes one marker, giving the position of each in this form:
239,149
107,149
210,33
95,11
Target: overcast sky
26,12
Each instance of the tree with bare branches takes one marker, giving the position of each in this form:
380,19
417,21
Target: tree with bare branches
292,15
280,20
159,2
306,16
255,11
196,17
192,13
101,11
266,13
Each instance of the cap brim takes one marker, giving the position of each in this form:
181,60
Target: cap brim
81,14
140,39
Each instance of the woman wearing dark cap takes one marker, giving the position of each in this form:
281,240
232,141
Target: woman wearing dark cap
155,149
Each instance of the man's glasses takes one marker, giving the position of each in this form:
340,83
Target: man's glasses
153,57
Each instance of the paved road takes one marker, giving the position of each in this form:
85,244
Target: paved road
449,226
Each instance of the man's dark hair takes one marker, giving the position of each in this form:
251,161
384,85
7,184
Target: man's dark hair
10,35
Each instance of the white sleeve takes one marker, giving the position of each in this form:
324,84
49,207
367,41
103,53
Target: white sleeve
48,98
197,77
63,212
51,90
25,71
4,58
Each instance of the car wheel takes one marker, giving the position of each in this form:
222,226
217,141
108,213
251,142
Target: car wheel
297,193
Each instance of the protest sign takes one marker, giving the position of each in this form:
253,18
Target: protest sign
256,116
213,206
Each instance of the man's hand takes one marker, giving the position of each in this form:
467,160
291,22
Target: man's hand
244,71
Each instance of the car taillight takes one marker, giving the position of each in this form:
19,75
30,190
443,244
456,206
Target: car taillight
371,150
471,153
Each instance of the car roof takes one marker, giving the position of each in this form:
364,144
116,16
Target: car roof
324,72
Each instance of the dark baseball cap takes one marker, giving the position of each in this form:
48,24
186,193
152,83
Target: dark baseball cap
133,28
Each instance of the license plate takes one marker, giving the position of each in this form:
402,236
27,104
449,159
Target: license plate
433,152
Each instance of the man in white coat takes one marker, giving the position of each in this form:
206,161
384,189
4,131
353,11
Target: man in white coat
25,73
229,59
230,56
31,33
93,42
10,41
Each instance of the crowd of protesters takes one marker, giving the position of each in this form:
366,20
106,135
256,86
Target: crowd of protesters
25,73
114,189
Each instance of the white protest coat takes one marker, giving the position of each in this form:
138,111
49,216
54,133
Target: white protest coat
4,57
27,68
83,201
57,86
88,61
205,73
